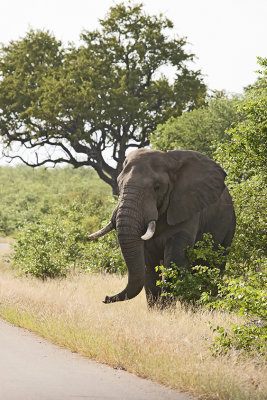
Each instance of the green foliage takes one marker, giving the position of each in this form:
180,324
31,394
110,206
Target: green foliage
205,285
204,251
249,247
244,294
27,195
244,158
105,93
104,255
202,129
58,243
189,284
245,155
51,213
252,339
244,290
47,250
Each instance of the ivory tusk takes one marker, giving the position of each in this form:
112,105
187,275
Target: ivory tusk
150,230
102,231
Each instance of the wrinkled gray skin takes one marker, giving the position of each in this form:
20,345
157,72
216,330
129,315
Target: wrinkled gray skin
184,192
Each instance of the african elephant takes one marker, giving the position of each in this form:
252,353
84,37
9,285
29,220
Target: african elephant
167,201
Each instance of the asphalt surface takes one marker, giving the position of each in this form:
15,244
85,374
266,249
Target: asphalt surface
33,369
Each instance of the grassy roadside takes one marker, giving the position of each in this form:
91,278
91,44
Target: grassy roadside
166,347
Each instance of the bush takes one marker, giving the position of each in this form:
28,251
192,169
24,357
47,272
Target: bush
49,249
104,255
244,157
249,247
45,250
239,291
59,243
252,339
245,294
189,284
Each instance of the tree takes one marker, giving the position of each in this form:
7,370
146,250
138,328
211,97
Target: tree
202,129
108,94
246,152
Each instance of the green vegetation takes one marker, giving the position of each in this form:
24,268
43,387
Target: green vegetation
245,295
202,129
245,159
51,213
59,245
27,194
242,288
191,285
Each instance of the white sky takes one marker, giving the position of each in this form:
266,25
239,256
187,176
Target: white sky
225,35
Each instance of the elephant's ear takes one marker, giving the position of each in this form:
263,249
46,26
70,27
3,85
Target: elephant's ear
198,182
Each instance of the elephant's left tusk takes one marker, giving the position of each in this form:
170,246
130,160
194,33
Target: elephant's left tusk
102,231
150,231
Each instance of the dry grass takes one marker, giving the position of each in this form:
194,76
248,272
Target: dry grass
168,347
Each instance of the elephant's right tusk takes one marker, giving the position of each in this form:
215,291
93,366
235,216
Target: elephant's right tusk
150,231
102,231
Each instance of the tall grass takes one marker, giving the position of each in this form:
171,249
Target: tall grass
170,347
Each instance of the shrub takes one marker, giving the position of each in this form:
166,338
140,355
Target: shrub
104,255
188,284
47,250
251,338
237,290
59,242
245,294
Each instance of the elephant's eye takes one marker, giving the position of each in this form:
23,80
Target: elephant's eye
156,187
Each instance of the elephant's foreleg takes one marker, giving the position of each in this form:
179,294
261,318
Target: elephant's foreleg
175,250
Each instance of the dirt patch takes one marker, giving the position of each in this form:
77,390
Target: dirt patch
4,248
5,252
5,239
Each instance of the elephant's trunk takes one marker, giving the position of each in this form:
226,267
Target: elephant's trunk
130,226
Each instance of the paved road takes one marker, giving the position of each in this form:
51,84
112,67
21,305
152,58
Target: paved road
33,369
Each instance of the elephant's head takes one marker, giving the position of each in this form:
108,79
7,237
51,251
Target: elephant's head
177,184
